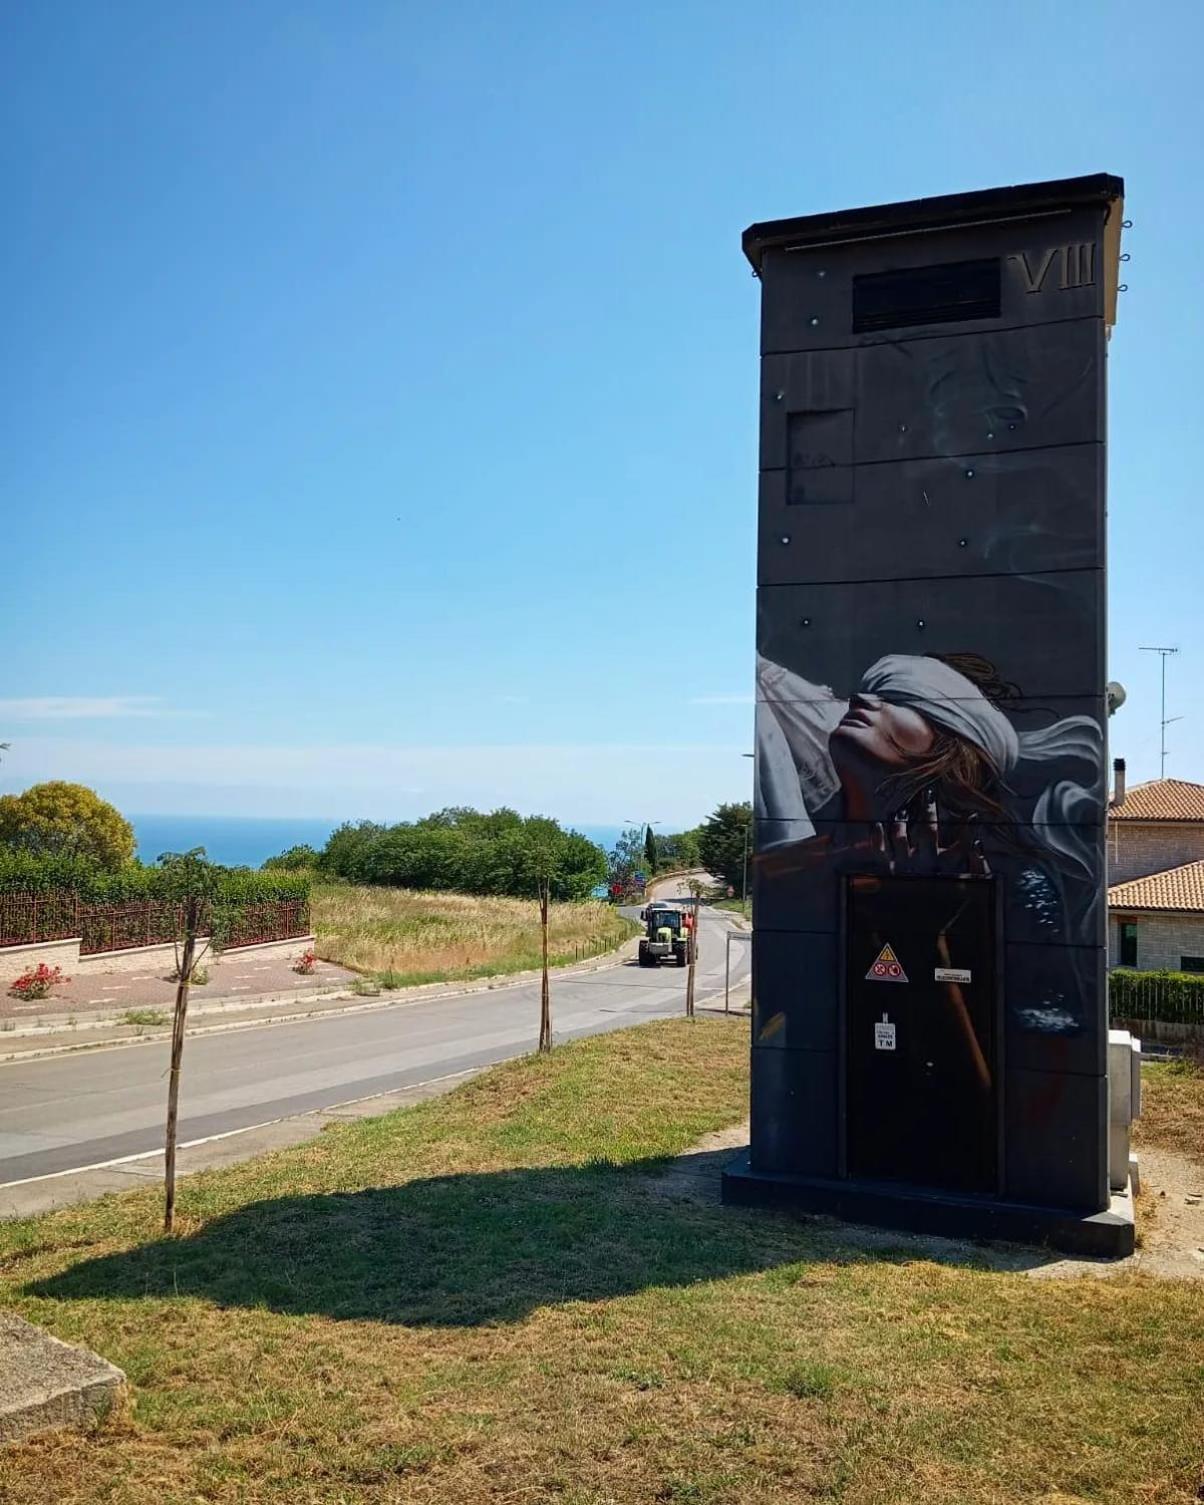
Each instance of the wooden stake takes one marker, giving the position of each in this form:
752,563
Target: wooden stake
545,997
177,1052
693,953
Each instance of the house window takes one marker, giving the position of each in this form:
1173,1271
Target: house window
1191,964
1128,943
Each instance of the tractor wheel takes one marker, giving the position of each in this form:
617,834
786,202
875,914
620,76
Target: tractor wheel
645,959
681,952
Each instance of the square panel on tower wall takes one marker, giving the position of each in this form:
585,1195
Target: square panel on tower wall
931,663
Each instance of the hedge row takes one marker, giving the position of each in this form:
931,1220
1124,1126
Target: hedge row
1169,997
25,872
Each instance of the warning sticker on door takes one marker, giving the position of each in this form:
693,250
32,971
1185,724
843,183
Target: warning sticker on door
887,967
884,1035
952,974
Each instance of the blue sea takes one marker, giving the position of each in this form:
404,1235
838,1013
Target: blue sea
246,840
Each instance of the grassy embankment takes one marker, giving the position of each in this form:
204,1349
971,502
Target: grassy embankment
405,937
488,1298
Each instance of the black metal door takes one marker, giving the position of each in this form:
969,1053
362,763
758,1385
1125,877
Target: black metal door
921,1078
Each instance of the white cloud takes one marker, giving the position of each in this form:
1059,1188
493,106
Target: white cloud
81,707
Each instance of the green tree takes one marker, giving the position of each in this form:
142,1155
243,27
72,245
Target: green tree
67,820
724,839
626,857
649,850
300,856
346,846
194,883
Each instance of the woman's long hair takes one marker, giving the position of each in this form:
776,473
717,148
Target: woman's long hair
966,784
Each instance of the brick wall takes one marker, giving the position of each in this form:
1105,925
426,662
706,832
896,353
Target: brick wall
1136,848
1162,939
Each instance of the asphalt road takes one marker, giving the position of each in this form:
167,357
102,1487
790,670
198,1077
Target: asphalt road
86,1108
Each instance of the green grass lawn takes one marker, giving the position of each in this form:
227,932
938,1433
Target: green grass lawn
488,1298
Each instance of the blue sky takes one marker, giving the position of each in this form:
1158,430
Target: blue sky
380,376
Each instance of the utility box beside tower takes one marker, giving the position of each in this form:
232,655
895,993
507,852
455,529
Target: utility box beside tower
930,1030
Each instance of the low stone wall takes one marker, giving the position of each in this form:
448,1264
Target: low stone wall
294,946
14,960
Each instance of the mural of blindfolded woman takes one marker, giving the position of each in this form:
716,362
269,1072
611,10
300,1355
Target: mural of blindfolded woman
922,771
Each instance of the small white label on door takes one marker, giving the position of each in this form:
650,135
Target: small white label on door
953,974
884,1035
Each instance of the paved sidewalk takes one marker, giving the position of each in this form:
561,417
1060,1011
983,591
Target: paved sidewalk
152,989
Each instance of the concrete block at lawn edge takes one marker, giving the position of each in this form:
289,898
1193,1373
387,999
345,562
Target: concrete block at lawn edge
46,1384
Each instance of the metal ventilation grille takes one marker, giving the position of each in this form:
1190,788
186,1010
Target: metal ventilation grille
946,294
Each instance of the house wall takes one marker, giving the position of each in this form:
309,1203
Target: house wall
1162,939
1136,848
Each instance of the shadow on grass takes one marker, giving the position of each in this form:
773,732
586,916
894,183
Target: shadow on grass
470,1249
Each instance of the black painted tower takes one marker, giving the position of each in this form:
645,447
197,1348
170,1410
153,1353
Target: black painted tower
930,1027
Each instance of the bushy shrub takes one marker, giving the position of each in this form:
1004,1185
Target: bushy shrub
1169,997
466,851
29,872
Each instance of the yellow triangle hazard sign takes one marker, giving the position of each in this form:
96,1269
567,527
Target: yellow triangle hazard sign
887,967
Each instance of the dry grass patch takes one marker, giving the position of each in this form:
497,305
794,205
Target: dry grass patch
1172,1108
423,937
484,1299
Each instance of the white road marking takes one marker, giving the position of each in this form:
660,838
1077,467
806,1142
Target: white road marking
188,1144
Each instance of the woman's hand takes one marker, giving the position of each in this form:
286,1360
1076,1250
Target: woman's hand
911,845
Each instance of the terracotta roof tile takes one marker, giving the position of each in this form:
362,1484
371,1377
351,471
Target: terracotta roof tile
1161,799
1179,888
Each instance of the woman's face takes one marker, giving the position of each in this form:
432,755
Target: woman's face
873,730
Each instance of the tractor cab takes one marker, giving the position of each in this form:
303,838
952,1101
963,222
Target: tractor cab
666,936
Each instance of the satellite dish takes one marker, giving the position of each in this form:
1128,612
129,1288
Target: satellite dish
1114,694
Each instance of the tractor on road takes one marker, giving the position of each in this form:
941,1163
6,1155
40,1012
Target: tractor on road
666,935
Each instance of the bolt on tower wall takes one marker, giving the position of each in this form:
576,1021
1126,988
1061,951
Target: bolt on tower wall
930,1025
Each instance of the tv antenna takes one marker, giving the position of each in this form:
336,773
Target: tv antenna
1165,653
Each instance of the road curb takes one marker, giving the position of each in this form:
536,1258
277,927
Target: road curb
128,1034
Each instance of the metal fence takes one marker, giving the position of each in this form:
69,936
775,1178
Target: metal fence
27,919
594,945
1175,998
140,922
255,924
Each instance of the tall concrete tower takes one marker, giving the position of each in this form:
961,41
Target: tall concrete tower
930,1028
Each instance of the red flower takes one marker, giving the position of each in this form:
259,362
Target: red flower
37,982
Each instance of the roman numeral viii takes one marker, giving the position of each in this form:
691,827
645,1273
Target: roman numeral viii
1076,266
